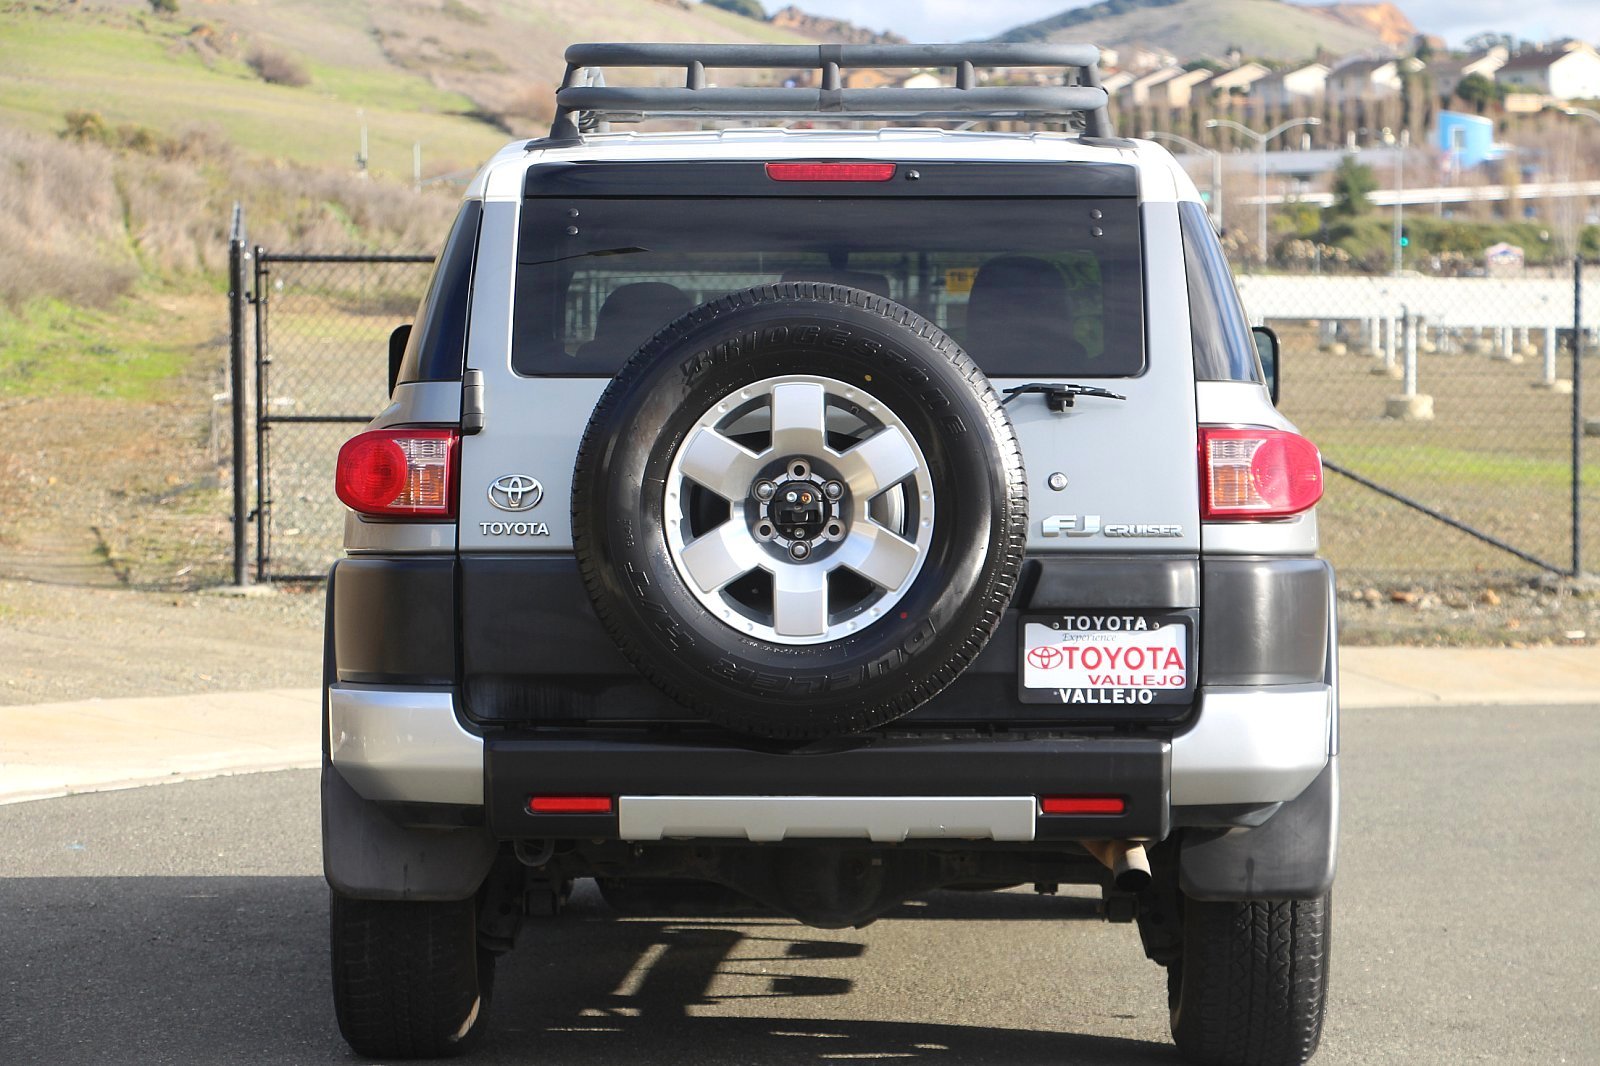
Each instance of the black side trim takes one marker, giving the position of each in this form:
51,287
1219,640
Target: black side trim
1266,621
394,620
1292,856
645,764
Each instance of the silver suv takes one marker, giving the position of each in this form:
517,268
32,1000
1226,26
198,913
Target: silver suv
805,519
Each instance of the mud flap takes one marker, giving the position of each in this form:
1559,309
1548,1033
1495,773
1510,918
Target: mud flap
367,855
1291,856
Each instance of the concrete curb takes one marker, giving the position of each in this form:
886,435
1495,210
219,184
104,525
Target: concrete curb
58,749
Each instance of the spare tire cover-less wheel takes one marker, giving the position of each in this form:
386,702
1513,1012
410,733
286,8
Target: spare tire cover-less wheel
800,510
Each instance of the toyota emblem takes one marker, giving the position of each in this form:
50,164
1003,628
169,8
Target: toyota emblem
1044,658
515,492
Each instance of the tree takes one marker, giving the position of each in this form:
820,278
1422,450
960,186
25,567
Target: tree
1352,181
1479,91
750,9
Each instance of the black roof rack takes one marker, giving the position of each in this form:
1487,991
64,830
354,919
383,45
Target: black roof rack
585,96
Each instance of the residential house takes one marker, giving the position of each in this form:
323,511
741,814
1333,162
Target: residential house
1569,73
1117,81
1237,80
1449,71
1289,86
1141,58
923,79
1176,92
1138,91
1364,79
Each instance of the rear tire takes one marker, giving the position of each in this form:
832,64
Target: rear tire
1252,984
409,979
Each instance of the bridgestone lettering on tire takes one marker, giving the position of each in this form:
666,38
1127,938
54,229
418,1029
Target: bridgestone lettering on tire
800,510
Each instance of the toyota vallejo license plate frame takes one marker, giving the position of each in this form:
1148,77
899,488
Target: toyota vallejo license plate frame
1110,658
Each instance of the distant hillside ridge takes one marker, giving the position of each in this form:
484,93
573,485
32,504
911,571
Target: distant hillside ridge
1190,29
1386,20
829,30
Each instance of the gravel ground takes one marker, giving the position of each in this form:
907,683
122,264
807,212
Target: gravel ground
115,541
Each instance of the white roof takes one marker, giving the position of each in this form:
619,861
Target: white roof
1160,177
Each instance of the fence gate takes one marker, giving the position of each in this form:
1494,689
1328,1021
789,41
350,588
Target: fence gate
322,325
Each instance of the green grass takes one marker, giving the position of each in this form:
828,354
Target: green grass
142,72
123,351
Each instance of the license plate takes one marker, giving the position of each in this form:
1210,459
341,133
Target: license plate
1109,658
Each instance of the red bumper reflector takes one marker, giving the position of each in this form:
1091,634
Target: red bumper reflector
569,804
1082,805
830,171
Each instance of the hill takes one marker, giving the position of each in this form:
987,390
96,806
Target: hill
1192,28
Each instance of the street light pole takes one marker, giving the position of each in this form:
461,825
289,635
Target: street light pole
1216,169
1261,140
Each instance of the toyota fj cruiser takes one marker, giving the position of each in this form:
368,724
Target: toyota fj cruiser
815,518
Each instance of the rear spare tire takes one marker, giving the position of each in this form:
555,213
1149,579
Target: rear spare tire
800,510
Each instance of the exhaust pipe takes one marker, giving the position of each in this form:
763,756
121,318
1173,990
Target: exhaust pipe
1127,860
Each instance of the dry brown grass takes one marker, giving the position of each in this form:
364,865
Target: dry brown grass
81,221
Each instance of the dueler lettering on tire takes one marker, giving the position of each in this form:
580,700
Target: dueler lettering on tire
800,510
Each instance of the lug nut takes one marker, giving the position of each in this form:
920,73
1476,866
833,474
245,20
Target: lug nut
833,489
799,550
765,489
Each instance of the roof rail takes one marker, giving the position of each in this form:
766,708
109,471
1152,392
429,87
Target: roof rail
591,103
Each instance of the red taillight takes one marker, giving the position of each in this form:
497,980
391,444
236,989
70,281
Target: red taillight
569,804
830,171
1257,473
398,472
1082,805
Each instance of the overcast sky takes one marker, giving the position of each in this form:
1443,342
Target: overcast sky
965,20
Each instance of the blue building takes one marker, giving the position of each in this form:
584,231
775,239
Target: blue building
1466,140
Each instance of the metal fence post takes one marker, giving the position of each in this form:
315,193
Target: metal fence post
1577,414
236,382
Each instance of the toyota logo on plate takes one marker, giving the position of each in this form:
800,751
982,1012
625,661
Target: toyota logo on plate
515,492
1044,658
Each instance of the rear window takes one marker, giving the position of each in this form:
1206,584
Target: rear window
1028,286
1223,347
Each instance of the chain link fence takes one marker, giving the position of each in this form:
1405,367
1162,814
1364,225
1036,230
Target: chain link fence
1447,409
1449,415
322,325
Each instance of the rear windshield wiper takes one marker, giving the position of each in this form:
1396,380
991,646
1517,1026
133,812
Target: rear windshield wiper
1059,396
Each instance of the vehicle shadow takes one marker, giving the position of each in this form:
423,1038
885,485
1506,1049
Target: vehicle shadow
234,969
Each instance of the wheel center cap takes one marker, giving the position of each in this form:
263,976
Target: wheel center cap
799,510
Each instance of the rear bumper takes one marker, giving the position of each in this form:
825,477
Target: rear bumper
1247,746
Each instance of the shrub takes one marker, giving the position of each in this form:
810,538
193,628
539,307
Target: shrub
164,7
276,68
750,9
85,126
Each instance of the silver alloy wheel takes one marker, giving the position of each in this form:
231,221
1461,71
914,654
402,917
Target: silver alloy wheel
799,509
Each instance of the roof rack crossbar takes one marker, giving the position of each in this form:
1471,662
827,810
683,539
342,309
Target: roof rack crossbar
592,100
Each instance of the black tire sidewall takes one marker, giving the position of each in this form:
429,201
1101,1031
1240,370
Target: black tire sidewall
880,671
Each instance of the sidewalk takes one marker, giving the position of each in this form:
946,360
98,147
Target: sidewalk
55,749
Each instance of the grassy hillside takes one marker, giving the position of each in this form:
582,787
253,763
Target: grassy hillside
125,137
1190,28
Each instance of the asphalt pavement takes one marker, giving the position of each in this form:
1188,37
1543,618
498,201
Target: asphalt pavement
187,924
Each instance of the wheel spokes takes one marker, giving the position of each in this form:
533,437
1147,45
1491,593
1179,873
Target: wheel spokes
720,556
878,555
799,419
721,465
799,601
882,460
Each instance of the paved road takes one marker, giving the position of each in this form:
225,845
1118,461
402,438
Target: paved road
186,924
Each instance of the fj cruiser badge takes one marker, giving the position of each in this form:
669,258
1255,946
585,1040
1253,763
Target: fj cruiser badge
515,492
1089,525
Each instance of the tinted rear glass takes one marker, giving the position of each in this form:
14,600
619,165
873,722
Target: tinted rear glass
1223,347
438,344
1029,286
